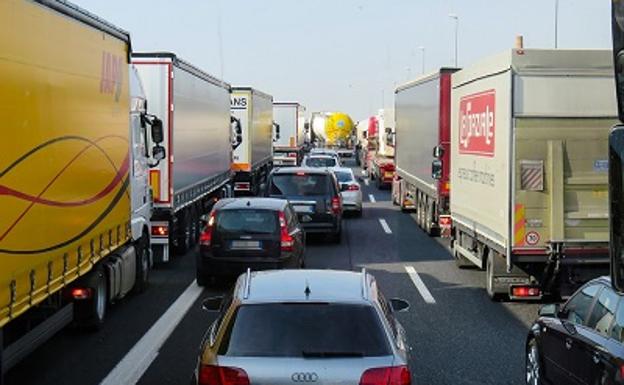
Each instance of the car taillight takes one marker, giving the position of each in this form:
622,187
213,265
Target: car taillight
392,375
286,240
335,205
206,236
353,187
222,375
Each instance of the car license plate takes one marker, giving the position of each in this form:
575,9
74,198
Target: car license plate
304,209
245,245
388,174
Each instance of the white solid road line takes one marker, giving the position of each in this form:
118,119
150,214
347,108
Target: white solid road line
366,181
132,367
420,285
385,226
371,198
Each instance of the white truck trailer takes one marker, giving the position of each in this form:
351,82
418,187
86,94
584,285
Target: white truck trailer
195,108
529,133
290,133
77,144
253,156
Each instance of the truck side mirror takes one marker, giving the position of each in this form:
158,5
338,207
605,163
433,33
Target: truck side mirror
157,131
616,202
438,152
158,153
436,169
277,131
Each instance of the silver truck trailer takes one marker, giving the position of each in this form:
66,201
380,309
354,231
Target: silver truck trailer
290,133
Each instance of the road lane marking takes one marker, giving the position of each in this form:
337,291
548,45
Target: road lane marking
371,198
420,285
132,367
366,181
385,226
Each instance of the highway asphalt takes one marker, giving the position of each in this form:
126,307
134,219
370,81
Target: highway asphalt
457,334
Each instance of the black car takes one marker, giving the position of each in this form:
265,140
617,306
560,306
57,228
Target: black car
314,194
256,233
580,342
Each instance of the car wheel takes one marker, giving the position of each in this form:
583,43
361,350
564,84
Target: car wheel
533,367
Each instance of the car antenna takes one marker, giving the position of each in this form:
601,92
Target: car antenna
307,290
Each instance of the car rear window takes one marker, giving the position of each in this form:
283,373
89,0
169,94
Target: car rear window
321,162
299,184
305,330
246,221
343,176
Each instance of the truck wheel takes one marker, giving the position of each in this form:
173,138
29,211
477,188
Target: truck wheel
90,313
489,279
142,265
184,235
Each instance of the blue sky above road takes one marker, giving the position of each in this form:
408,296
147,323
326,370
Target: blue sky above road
345,54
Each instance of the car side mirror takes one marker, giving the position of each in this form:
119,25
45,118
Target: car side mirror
550,310
212,303
436,169
157,131
399,305
158,153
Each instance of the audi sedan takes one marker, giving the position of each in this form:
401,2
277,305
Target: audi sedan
304,326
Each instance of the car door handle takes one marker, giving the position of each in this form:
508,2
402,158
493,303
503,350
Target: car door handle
568,343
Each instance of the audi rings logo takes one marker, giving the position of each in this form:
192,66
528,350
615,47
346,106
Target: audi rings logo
304,377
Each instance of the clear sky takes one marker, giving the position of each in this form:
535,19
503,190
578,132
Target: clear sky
345,55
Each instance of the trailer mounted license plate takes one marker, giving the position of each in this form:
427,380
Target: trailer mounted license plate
245,245
304,209
388,174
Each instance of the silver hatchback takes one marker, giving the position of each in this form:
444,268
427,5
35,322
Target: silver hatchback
304,327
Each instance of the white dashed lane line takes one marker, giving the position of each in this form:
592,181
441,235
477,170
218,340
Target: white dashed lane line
385,226
420,285
371,198
366,182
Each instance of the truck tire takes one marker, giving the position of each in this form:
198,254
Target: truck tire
142,264
90,313
490,287
184,234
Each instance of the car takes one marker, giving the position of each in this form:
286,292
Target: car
239,233
350,190
304,326
314,194
327,161
326,151
581,342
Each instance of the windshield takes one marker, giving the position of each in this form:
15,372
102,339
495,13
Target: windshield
321,162
343,176
299,185
314,330
246,221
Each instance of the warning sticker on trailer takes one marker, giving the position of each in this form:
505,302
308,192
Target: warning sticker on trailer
532,238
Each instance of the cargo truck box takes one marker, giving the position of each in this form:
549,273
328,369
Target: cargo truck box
529,135
423,133
253,156
195,107
289,141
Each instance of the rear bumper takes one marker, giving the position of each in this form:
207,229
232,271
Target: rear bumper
321,227
209,265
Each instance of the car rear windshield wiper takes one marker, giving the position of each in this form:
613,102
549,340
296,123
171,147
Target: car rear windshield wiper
320,354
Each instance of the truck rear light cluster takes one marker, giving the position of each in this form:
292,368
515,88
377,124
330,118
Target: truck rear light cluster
525,291
221,375
286,240
292,155
80,293
444,220
160,230
391,375
205,239
242,186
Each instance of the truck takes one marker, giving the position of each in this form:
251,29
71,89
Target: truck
252,159
529,169
368,144
289,134
195,109
422,153
74,192
381,161
332,129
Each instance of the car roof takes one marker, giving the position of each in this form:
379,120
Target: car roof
272,286
251,203
321,156
307,170
323,151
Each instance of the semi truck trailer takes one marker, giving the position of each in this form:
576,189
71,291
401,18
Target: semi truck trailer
75,203
529,169
252,159
381,162
195,108
422,152
289,136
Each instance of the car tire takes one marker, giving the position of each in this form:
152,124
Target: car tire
533,367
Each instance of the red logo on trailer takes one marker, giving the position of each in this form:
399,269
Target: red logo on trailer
477,123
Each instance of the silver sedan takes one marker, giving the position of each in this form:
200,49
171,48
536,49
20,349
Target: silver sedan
350,190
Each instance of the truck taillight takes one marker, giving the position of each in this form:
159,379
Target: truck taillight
525,291
205,239
79,293
392,375
286,240
446,186
221,375
292,155
445,220
242,186
335,205
160,230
